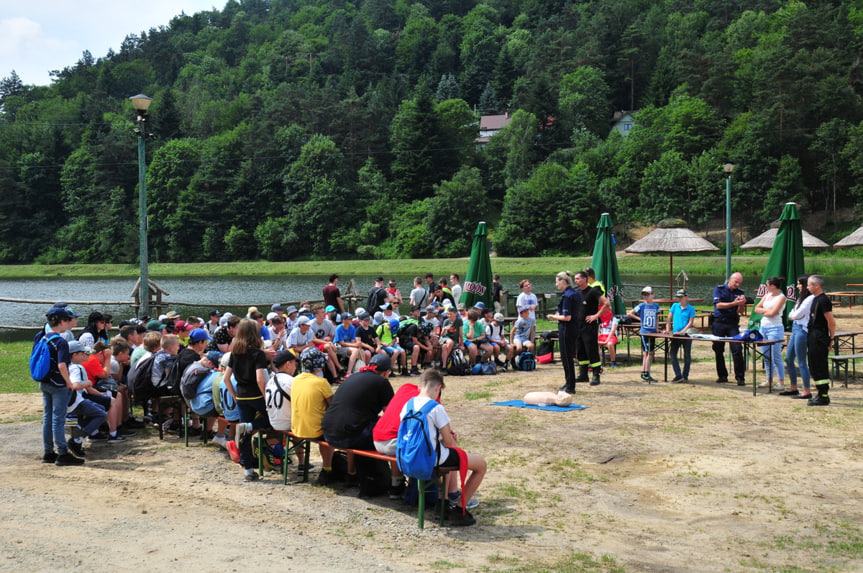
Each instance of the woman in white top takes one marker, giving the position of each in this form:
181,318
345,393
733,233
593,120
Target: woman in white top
797,349
771,307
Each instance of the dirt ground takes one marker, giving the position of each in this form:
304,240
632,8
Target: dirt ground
661,477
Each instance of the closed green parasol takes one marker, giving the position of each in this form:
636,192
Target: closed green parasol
604,263
786,259
477,285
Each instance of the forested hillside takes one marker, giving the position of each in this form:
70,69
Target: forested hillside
323,128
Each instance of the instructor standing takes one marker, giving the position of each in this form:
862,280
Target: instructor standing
822,328
567,327
728,304
593,305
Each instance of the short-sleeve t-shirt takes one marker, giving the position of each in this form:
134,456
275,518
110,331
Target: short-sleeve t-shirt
647,313
343,334
722,293
94,368
367,335
680,316
323,329
525,299
245,368
387,427
437,419
309,395
331,295
455,324
821,304
222,336
356,405
478,330
419,296
297,338
522,327
277,403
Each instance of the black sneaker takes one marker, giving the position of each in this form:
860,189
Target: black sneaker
459,518
250,476
645,376
722,380
415,371
76,448
789,393
49,458
397,491
325,478
98,437
678,379
68,459
802,397
819,401
126,431
741,382
116,439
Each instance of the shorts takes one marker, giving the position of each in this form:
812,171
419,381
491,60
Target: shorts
521,340
610,339
452,460
320,346
343,351
387,447
648,343
388,349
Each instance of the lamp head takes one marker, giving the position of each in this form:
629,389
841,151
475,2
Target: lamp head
728,167
141,102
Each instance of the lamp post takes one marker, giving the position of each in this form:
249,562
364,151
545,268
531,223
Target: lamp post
728,167
142,104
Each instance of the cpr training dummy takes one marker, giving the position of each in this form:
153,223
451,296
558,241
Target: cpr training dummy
548,398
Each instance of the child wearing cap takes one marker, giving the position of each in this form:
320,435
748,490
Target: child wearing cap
680,319
522,333
497,338
646,312
90,414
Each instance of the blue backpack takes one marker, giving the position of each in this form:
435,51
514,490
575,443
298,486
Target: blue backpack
414,452
526,361
40,358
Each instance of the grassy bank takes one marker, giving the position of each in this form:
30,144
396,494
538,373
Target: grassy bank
14,368
840,263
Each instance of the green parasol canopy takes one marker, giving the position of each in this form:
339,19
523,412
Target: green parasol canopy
786,259
477,284
604,262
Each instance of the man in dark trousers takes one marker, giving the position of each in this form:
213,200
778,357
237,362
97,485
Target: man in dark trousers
593,304
728,304
822,328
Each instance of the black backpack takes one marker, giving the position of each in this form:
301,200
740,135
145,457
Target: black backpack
457,364
140,379
169,384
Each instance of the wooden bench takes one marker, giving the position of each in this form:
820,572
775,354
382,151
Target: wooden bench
422,486
842,360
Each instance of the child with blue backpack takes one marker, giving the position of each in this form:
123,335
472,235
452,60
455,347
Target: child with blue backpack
443,440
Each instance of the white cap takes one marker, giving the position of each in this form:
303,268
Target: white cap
647,290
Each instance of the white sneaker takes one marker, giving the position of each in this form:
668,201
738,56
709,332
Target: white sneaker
765,384
220,440
241,432
778,387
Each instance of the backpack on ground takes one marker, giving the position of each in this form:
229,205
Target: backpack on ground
545,352
140,379
526,361
457,364
489,367
414,453
40,357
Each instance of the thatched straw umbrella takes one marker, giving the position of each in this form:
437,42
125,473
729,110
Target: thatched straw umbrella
671,236
766,239
855,239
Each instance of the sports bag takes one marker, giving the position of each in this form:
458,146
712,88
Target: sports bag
169,384
526,361
489,367
40,357
545,352
457,364
414,453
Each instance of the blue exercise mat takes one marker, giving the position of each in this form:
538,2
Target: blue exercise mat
550,407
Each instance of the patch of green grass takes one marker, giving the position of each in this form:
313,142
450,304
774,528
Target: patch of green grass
443,564
575,562
15,368
571,470
480,395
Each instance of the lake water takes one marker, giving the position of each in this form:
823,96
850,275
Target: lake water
237,294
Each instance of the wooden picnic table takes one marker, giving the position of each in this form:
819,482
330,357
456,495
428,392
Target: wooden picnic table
850,295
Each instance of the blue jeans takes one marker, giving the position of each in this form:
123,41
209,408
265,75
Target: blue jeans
797,351
54,403
687,357
90,416
773,353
